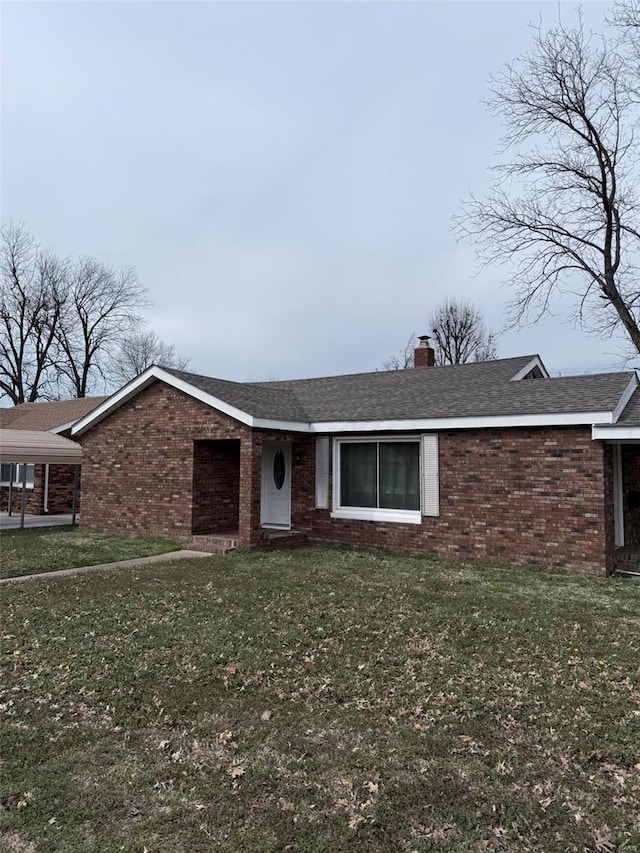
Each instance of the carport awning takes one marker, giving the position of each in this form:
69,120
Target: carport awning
36,446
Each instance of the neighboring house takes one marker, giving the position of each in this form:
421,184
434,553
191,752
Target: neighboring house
49,487
489,461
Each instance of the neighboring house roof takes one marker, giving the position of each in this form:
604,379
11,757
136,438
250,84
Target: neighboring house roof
38,446
54,416
477,394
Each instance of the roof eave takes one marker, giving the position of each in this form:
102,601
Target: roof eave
482,422
627,394
135,386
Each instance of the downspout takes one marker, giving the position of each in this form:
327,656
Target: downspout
46,489
23,504
74,506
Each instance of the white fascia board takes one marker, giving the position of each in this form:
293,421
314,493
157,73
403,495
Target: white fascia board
209,399
282,426
602,432
535,362
62,428
143,381
494,421
427,424
627,394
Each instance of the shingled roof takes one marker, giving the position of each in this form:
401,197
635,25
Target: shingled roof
476,389
47,415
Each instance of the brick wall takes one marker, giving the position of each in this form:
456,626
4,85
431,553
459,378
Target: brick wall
138,473
216,487
34,496
537,496
524,496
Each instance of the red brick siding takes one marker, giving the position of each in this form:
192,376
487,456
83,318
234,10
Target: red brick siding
607,450
522,496
138,474
216,487
34,496
538,496
61,489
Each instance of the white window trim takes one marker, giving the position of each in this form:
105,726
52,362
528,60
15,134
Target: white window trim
398,516
17,483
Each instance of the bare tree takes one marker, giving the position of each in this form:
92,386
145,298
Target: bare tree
564,211
102,310
460,333
139,351
626,16
403,359
32,298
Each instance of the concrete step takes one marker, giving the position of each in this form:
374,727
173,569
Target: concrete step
276,540
212,544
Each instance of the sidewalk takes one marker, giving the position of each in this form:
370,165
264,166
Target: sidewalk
12,522
120,564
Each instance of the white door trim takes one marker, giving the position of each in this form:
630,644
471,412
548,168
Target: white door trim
280,518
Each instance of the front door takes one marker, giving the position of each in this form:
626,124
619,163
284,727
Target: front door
276,484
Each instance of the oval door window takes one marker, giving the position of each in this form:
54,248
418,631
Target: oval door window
278,469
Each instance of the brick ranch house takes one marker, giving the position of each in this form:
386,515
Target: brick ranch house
49,487
489,461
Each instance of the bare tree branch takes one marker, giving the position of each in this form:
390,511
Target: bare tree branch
460,333
564,214
403,359
102,310
32,297
139,351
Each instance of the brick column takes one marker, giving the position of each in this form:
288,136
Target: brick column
250,489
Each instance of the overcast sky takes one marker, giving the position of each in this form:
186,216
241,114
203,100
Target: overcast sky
281,175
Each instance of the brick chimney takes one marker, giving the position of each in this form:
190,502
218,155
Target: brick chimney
423,354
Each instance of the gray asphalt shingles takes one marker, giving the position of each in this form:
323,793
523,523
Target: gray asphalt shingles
477,389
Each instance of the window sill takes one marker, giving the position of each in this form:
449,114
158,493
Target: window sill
398,516
29,488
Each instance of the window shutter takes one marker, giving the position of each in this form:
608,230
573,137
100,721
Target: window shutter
322,473
429,471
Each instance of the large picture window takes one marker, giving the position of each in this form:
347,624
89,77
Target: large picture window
377,479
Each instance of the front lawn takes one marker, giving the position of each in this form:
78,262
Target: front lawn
320,701
47,549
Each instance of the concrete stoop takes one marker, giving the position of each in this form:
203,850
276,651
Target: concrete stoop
272,540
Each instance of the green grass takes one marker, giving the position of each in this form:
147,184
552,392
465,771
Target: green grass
320,701
27,552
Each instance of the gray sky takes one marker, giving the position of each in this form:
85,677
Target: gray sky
281,175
